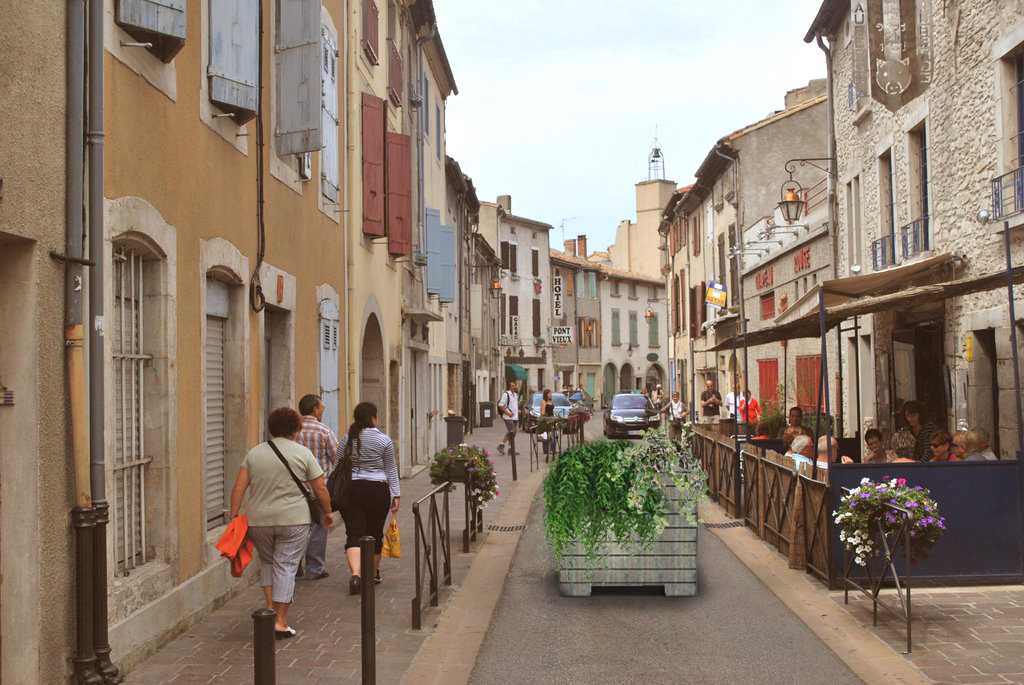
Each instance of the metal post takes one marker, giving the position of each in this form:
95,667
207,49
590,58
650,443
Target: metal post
1016,373
369,629
856,364
111,674
512,453
841,432
263,667
85,658
824,375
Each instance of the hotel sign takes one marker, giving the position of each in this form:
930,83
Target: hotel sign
561,335
556,294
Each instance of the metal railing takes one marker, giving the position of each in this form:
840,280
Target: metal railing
816,528
914,237
883,252
816,195
433,543
890,545
1008,194
473,510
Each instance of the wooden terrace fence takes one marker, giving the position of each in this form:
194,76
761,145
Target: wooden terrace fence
778,499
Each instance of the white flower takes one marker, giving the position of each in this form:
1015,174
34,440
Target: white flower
865,481
842,535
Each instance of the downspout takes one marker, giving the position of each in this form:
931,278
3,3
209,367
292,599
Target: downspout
82,519
422,204
97,465
830,113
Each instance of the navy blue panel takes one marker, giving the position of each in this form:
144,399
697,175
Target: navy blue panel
979,501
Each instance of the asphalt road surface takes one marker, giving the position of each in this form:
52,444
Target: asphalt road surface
734,631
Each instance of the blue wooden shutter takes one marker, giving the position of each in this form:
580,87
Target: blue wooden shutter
433,251
297,52
616,333
652,332
329,176
448,258
160,22
234,55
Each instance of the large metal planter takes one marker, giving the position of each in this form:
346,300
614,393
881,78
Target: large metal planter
671,562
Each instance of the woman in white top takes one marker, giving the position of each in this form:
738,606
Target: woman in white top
373,491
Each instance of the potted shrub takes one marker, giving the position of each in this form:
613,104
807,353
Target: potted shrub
619,513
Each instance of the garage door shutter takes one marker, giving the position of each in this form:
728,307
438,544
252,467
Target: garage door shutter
215,421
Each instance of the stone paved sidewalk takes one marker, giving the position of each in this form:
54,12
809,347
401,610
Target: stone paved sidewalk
960,635
326,651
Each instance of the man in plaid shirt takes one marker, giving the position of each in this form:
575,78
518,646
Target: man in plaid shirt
322,442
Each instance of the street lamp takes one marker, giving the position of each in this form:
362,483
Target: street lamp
649,314
495,288
792,203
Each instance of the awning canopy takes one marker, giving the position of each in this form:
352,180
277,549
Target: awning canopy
514,372
809,326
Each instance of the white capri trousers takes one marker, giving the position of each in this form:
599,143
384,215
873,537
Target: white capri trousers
280,549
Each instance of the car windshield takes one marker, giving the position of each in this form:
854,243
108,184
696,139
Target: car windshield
629,402
558,398
576,396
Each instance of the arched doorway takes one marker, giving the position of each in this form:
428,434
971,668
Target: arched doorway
626,380
371,380
654,376
608,387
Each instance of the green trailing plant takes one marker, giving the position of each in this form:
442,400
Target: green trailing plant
483,483
619,492
863,514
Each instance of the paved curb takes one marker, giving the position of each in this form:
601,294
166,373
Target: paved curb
867,655
447,657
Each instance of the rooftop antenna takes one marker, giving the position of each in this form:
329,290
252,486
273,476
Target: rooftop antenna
656,161
564,222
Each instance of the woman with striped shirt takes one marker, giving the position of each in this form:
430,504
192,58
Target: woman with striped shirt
374,488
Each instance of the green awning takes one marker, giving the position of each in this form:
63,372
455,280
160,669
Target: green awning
514,372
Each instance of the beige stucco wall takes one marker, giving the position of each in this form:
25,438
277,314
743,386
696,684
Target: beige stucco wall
36,482
636,244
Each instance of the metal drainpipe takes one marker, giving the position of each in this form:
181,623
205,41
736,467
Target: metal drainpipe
97,446
82,516
830,113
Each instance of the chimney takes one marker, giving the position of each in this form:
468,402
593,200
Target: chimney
581,246
505,202
570,247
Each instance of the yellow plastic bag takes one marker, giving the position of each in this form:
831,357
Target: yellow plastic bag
392,543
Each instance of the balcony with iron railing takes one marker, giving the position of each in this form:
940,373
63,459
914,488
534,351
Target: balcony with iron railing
815,196
914,237
883,252
395,73
1008,194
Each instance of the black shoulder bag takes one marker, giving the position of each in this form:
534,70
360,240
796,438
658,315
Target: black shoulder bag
316,512
339,484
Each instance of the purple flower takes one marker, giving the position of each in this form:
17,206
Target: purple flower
864,495
911,504
918,488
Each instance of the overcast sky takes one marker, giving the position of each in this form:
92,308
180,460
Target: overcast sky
558,101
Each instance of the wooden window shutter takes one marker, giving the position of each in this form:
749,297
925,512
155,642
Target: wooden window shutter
448,286
768,380
371,31
513,257
675,304
503,313
504,255
808,370
536,318
297,54
535,261
373,167
768,306
693,311
434,240
399,194
329,155
513,305
234,54
160,22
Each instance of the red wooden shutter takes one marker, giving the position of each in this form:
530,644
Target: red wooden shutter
702,308
768,380
807,371
768,306
373,166
675,304
399,194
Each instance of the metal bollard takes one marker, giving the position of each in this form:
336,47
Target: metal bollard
512,452
369,632
264,672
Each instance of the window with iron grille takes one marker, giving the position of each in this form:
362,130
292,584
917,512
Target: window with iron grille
130,356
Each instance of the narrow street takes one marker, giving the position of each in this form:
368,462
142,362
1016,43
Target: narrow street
735,630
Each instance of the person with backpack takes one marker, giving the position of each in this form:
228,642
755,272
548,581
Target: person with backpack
508,406
374,489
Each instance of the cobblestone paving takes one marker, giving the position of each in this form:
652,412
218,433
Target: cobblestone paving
326,651
961,635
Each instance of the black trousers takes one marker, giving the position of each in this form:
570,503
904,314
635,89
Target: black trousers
366,513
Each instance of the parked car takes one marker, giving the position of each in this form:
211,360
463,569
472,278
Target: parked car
629,415
580,398
562,405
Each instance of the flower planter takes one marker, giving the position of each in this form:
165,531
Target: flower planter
671,562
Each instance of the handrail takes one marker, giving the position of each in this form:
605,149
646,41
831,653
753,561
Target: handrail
888,565
426,550
914,237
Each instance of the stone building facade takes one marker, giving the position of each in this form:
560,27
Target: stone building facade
577,362
914,170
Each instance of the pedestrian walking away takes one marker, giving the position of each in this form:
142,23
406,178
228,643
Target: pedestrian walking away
277,509
508,405
374,490
321,441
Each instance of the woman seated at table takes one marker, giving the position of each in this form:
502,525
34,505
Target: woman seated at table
942,447
877,452
789,434
762,432
902,443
